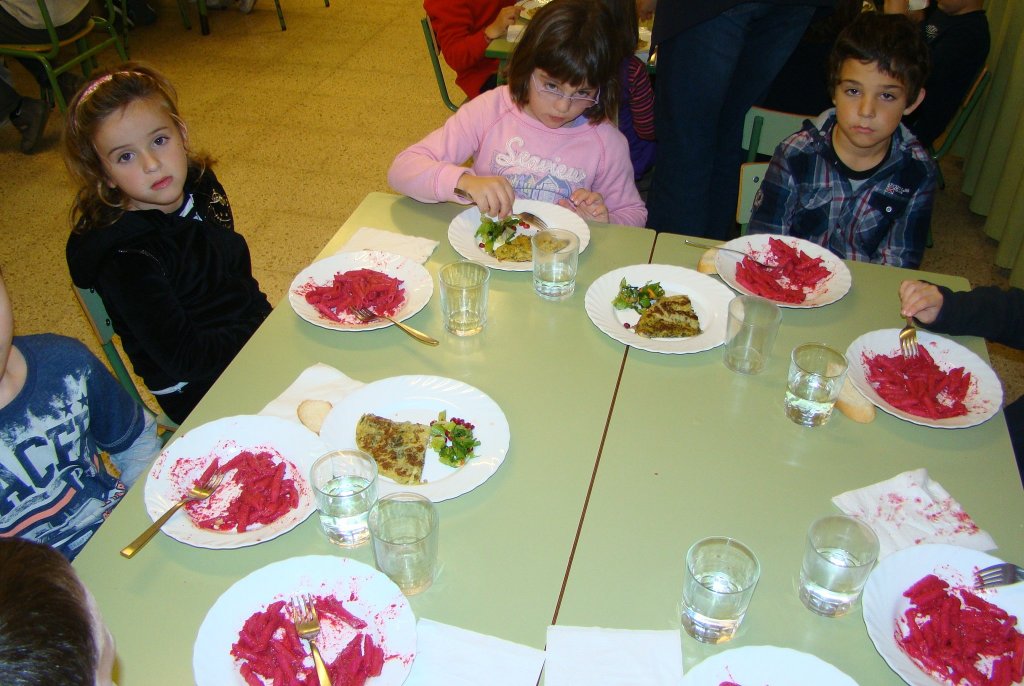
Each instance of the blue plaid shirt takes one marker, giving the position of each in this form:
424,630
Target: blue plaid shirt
885,220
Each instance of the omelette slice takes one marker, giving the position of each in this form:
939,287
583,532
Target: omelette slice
671,317
398,447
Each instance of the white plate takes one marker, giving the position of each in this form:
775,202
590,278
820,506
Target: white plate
883,600
983,400
530,7
709,297
419,399
184,461
827,292
761,665
462,232
416,281
374,599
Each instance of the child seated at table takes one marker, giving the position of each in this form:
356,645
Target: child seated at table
992,313
636,104
856,180
154,235
59,407
548,135
51,631
464,29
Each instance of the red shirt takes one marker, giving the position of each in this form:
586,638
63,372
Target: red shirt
459,26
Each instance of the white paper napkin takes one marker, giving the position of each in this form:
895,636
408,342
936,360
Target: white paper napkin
450,656
584,656
413,247
910,509
319,382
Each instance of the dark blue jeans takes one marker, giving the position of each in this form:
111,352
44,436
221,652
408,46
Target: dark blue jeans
708,77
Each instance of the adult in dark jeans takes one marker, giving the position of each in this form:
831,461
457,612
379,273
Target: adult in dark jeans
21,22
716,58
27,114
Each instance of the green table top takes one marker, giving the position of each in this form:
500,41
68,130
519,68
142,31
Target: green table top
504,546
695,450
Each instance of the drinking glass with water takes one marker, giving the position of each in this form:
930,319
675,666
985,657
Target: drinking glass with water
345,488
718,583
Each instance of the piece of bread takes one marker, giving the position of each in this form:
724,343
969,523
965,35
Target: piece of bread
312,413
707,262
854,405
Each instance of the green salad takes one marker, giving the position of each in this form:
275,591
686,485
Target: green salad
494,233
452,439
637,298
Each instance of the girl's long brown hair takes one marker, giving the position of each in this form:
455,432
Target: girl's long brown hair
96,203
575,42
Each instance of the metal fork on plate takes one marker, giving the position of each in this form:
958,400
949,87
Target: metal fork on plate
195,493
528,217
365,315
1000,574
307,625
908,339
708,246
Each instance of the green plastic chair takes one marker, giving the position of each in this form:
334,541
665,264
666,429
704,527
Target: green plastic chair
99,320
431,39
751,176
764,129
48,54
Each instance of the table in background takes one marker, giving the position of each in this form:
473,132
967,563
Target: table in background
504,547
694,450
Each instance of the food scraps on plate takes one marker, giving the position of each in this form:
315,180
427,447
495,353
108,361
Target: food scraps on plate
958,637
505,240
792,277
257,489
355,289
269,649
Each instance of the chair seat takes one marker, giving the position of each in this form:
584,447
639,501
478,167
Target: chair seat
46,47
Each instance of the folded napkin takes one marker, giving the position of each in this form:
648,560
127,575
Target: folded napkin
583,656
319,382
450,656
413,247
910,509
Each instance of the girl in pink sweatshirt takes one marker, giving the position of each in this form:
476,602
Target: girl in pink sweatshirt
548,135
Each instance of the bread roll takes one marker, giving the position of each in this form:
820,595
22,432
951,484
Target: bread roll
313,412
854,405
707,262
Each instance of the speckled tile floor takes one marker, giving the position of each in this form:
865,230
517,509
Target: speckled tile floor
304,124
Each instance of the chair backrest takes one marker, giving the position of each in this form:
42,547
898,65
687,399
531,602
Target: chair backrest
435,61
96,312
963,114
751,176
764,129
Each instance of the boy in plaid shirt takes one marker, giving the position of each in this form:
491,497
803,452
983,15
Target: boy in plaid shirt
856,180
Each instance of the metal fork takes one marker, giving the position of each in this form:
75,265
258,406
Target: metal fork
908,339
528,217
366,316
697,244
999,575
307,625
195,493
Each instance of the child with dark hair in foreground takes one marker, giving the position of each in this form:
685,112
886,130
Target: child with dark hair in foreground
51,631
856,180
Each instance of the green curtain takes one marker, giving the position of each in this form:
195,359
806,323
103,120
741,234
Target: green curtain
994,142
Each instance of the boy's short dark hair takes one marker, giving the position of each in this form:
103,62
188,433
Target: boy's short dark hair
46,630
889,40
